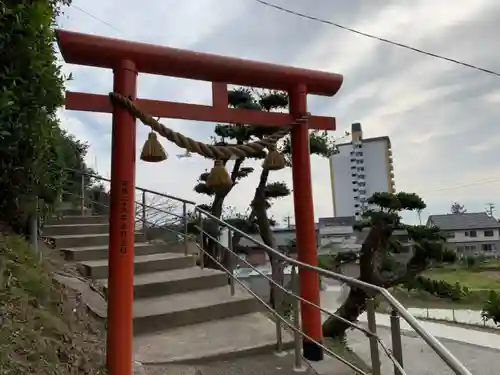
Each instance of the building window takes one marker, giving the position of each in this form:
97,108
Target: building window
361,169
359,153
488,233
450,235
473,233
488,247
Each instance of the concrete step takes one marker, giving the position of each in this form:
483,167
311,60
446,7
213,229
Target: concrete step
68,229
182,309
98,269
74,211
101,252
229,338
84,240
77,219
182,280
176,310
179,246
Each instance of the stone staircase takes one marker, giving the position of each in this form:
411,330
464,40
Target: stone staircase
182,313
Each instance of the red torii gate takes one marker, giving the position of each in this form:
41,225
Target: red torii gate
127,59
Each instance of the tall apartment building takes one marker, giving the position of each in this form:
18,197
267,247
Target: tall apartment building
359,169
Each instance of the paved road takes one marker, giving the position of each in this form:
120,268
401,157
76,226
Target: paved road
419,359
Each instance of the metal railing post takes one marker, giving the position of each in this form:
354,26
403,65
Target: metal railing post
185,225
82,198
143,210
297,338
372,327
277,304
202,249
397,347
231,261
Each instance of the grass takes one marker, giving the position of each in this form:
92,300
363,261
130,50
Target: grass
474,278
479,279
44,327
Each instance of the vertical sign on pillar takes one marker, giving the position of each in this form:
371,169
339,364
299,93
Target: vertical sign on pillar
121,227
304,224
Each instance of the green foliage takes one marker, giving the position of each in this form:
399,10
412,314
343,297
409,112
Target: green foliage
491,309
276,190
397,202
449,256
33,149
457,208
230,134
438,288
427,242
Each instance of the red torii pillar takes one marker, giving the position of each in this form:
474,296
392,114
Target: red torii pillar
127,59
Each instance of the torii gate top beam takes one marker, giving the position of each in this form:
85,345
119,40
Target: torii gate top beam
91,50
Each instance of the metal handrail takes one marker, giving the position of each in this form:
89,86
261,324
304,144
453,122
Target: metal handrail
435,344
367,332
457,367
100,178
143,220
277,315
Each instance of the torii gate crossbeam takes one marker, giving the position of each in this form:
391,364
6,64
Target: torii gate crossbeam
127,59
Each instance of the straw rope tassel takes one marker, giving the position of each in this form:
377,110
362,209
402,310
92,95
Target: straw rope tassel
219,178
152,150
274,160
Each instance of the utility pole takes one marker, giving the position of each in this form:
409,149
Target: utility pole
287,220
490,208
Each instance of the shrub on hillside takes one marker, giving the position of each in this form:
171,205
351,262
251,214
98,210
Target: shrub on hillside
34,150
44,326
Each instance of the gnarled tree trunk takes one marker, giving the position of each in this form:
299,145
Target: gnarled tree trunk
260,211
210,246
355,304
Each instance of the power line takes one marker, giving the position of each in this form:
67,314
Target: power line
96,18
484,182
401,45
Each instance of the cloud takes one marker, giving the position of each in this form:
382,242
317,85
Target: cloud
442,118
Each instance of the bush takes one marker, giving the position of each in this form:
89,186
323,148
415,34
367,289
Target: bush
470,261
491,309
438,288
449,256
33,149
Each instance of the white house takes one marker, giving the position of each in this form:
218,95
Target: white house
469,232
336,234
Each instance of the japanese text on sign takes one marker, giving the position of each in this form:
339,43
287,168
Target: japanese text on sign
124,216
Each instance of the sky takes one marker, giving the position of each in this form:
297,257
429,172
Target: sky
442,118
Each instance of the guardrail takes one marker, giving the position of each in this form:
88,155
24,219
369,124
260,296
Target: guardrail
398,310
